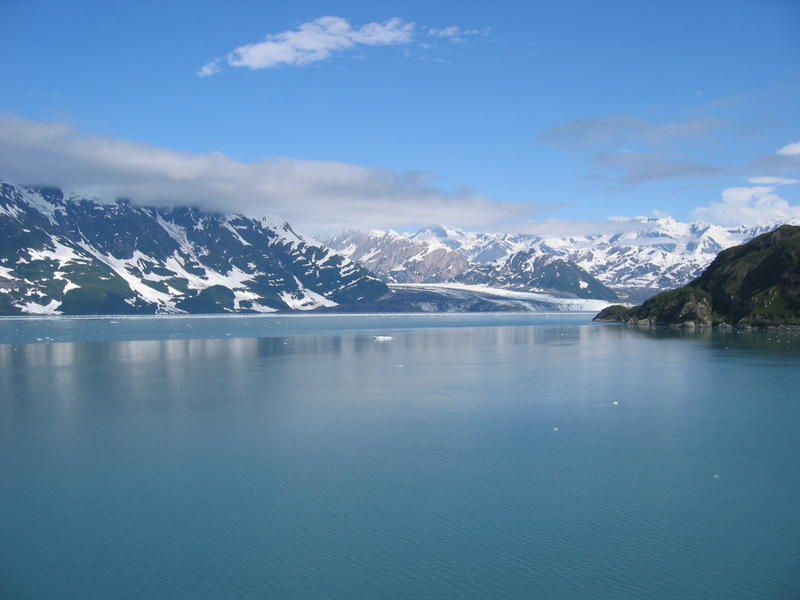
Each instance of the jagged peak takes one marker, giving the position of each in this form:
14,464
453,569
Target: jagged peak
135,259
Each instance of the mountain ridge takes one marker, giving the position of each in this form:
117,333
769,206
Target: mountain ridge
649,255
424,257
68,254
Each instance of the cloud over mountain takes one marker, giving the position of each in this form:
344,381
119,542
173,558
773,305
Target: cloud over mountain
311,194
754,205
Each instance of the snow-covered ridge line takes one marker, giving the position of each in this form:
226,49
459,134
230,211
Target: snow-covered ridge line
646,256
71,254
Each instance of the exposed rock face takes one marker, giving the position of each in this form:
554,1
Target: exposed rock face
399,259
646,256
74,255
612,314
533,270
756,284
441,255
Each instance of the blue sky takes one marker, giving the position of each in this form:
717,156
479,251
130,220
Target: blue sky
500,115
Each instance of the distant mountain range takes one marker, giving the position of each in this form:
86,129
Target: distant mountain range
444,255
655,254
74,255
68,254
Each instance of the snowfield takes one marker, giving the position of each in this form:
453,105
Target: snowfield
526,301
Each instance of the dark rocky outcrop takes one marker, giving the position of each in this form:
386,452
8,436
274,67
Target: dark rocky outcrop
756,284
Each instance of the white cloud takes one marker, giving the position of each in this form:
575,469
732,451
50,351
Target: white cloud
756,205
764,180
446,32
212,67
310,194
790,149
454,33
312,42
320,39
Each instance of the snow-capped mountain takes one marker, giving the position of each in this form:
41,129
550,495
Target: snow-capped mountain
399,258
442,254
656,254
75,255
647,256
532,269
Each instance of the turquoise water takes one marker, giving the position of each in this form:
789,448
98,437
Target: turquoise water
470,456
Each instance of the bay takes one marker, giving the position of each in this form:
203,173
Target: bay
403,456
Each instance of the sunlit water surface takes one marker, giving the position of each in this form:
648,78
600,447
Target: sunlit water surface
471,456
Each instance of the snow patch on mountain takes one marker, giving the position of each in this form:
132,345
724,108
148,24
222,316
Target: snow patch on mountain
651,254
76,255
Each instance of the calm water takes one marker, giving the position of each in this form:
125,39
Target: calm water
468,457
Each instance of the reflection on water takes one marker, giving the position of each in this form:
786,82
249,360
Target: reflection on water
84,329
472,461
63,354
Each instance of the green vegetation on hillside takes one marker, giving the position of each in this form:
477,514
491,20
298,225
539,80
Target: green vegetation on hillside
756,284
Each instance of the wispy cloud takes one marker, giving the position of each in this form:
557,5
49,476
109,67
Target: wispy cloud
312,42
763,180
212,67
454,33
592,132
625,151
783,160
310,194
632,168
325,37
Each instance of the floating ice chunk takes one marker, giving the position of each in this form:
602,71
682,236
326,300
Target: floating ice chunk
383,338
615,403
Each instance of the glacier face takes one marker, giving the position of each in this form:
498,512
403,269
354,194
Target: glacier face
653,255
443,254
75,255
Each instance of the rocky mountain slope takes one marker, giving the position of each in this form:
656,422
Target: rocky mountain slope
75,255
644,257
441,255
400,259
754,284
531,269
